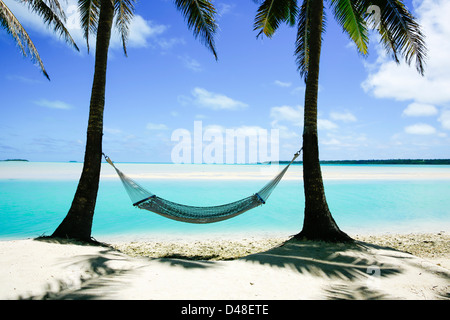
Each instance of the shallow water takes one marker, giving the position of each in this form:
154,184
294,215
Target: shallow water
35,197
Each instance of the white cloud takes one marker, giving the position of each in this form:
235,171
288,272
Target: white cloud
210,100
282,84
249,131
344,116
167,44
140,31
288,133
298,91
420,129
420,110
214,128
191,63
331,142
400,82
444,119
156,126
289,122
224,9
287,115
241,130
112,131
56,104
350,140
292,115
324,124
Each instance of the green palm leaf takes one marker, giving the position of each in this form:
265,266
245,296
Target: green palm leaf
10,23
302,44
200,18
400,33
272,12
56,8
89,15
53,15
124,12
350,15
302,41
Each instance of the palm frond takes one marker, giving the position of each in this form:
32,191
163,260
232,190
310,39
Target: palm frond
350,15
303,37
200,16
89,15
400,33
55,6
124,12
388,42
52,18
273,12
9,22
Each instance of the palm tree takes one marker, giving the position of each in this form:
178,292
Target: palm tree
52,14
97,17
400,35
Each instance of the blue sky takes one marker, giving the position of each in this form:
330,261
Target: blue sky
369,108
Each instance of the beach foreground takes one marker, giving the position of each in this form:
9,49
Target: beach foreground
377,267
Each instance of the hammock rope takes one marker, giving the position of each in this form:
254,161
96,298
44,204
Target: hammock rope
144,199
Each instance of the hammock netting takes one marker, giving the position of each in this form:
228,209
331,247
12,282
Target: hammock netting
144,199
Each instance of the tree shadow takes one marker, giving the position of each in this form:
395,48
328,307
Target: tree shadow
95,272
185,262
354,292
97,275
351,264
323,259
359,265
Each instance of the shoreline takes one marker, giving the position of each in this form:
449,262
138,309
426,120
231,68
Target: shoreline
431,246
238,172
231,246
232,269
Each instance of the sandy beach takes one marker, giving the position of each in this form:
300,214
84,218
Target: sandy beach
142,172
407,266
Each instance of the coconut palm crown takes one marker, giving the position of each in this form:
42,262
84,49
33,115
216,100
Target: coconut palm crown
400,33
400,36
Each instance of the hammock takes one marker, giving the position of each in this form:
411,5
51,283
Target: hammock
144,199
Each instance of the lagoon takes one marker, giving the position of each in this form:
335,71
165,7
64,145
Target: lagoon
364,199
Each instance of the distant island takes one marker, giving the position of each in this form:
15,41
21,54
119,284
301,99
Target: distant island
389,161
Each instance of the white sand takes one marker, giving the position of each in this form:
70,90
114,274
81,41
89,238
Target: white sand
297,270
61,171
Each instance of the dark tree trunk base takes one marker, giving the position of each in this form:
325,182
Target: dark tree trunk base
55,239
64,232
335,236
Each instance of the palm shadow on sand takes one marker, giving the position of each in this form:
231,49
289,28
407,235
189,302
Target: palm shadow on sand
349,267
358,266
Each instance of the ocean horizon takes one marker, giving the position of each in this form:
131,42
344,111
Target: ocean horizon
364,199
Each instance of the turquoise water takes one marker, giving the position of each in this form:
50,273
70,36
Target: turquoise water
30,207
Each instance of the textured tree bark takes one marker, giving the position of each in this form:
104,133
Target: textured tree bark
318,222
78,222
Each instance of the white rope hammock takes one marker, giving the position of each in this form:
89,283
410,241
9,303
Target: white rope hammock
144,199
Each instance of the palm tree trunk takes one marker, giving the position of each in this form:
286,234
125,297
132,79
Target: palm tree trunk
318,222
78,222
